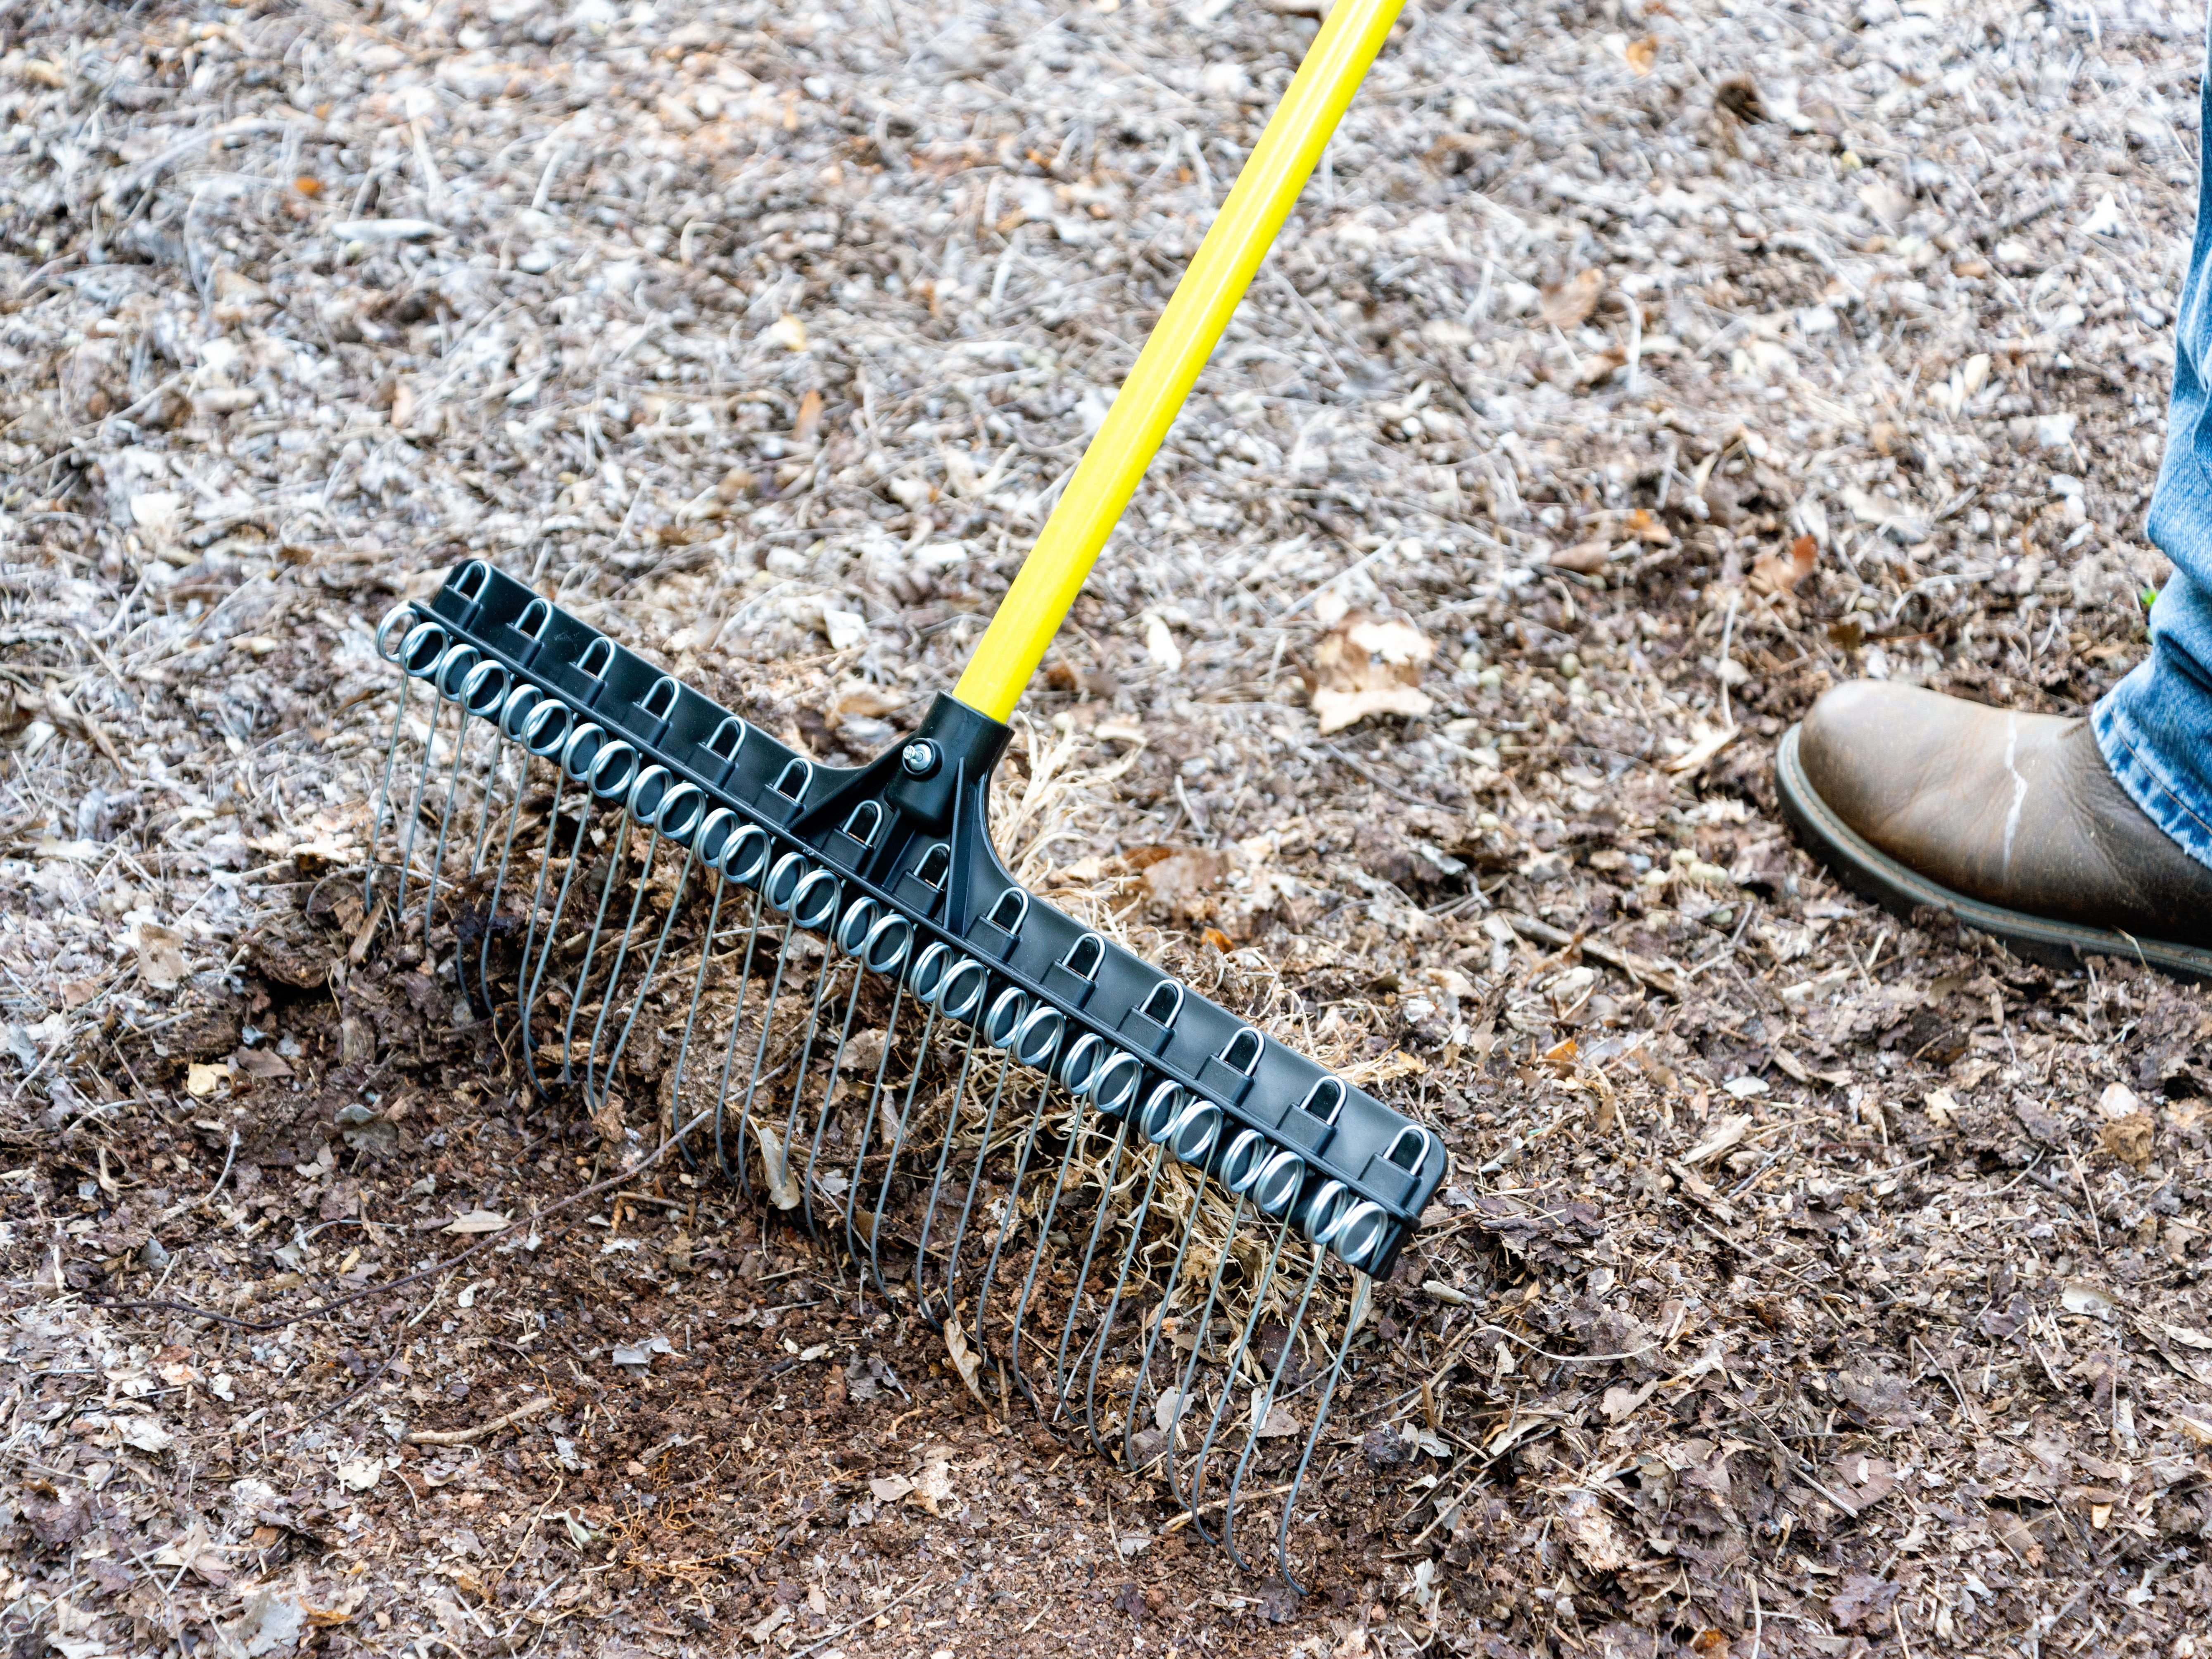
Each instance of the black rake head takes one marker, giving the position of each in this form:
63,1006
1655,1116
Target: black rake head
837,994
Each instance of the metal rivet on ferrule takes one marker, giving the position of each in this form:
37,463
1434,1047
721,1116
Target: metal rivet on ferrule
919,757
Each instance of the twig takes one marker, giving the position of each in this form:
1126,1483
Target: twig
1728,631
1627,962
544,1403
201,1203
1189,1516
2096,1232
558,1481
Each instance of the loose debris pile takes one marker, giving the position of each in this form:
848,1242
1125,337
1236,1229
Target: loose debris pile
1807,1281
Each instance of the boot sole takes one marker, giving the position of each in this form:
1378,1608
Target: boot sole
1873,874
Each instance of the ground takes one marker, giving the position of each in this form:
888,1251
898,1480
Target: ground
1808,1279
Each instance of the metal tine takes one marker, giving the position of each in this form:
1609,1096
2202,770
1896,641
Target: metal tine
503,743
1110,1081
1239,1163
775,874
1305,1457
393,650
1324,1214
1245,1168
617,856
462,660
710,841
406,843
479,993
1063,1374
810,898
931,978
532,975
1275,1191
1099,1339
1034,1051
1026,1038
675,814
1197,1349
945,1147
1177,1129
640,806
859,913
828,1100
483,690
516,699
1358,1239
899,988
738,861
539,726
877,945
1107,1080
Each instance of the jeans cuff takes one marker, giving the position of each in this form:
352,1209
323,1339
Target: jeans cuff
2133,761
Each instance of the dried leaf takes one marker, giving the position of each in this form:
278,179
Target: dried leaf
1771,574
1590,1532
162,964
144,1433
1723,1136
1642,55
782,1190
2081,1296
777,1618
273,1619
934,1484
1583,558
2131,1139
1862,1602
1705,745
1160,645
477,1221
1568,304
846,630
1368,665
2118,1101
964,1361
360,1474
1180,885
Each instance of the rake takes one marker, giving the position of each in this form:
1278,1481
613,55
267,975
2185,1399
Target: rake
1132,1207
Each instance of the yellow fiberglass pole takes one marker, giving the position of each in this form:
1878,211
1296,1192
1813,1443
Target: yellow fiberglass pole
1181,341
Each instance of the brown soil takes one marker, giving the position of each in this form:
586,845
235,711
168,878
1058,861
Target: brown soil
1654,365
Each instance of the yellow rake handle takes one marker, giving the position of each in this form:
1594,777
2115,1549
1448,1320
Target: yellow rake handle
1181,341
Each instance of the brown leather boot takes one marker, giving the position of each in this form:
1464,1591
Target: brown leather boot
2011,822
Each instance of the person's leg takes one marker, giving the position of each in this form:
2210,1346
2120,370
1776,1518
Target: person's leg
2059,834
2154,727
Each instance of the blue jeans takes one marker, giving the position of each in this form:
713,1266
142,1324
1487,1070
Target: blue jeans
2155,726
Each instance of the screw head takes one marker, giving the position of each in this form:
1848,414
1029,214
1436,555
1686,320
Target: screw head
919,757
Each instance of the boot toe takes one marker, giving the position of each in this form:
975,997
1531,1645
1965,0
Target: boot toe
1860,745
